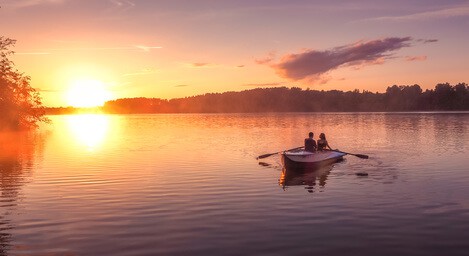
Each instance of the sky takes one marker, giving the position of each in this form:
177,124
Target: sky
171,49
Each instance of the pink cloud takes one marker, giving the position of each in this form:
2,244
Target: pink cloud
312,64
200,64
416,58
266,60
426,41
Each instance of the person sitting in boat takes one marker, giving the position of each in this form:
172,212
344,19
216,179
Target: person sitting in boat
322,143
310,143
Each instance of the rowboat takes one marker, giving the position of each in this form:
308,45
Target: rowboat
301,160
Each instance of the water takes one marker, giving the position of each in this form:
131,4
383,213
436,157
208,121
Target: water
190,185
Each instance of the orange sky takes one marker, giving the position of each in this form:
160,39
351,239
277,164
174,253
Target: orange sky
169,49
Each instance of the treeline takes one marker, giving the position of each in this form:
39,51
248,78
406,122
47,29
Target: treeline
282,99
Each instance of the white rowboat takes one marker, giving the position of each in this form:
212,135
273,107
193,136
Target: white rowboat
309,160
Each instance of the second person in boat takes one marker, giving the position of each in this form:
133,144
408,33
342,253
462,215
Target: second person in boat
322,143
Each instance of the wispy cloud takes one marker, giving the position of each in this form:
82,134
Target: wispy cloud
457,11
146,71
200,64
426,41
32,53
122,3
115,8
416,58
181,85
267,59
19,4
147,48
311,64
209,65
136,47
263,84
51,51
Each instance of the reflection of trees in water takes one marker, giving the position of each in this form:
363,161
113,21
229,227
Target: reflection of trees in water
17,153
450,131
417,133
311,179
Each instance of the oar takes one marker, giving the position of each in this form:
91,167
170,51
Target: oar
267,155
357,155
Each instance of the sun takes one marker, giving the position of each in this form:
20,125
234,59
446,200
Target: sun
87,93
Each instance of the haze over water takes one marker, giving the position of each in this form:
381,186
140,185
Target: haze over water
189,184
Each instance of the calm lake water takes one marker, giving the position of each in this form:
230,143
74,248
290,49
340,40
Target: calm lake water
190,185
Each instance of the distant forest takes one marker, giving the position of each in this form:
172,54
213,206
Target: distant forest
282,99
444,97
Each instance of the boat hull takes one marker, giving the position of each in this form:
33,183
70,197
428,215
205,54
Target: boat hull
303,160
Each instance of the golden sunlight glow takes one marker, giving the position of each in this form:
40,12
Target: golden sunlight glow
89,130
87,93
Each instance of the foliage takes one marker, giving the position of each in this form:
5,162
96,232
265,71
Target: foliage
282,99
20,104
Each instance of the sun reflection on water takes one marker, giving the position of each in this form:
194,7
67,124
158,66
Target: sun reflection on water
89,130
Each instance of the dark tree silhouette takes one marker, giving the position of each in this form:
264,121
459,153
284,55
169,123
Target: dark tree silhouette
461,100
282,99
20,104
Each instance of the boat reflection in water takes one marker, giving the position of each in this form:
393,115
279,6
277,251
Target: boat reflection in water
311,179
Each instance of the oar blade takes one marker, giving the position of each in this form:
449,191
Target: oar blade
361,156
264,156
